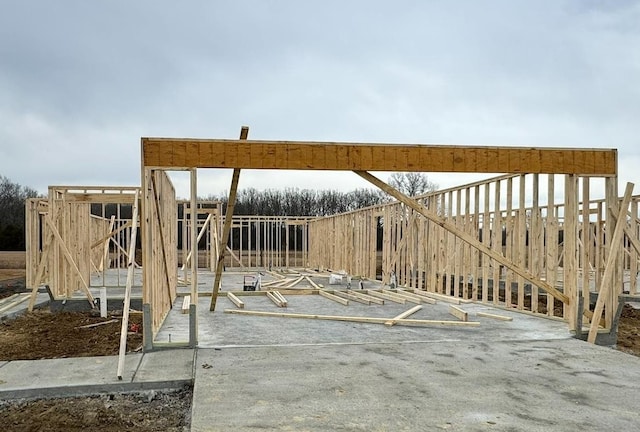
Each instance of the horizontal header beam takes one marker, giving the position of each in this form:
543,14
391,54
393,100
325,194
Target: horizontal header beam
172,153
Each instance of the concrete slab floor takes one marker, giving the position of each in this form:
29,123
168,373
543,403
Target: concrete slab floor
470,385
528,374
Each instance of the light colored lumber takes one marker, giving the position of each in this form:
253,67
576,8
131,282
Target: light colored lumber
494,316
97,324
436,296
423,298
235,300
72,262
235,257
309,155
459,313
410,297
452,228
335,298
40,272
606,284
280,297
186,302
110,235
8,299
313,284
277,298
348,296
124,329
226,229
294,283
363,296
408,322
387,296
163,244
14,303
393,321
104,258
198,238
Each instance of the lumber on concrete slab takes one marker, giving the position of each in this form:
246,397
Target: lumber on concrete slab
393,321
363,296
335,298
21,299
387,296
280,297
423,298
494,316
436,296
348,296
459,313
235,300
277,298
408,297
372,320
186,302
294,283
313,284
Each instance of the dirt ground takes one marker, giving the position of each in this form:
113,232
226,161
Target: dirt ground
145,412
42,334
629,331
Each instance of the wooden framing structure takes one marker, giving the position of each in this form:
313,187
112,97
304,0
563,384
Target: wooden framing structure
74,232
537,239
496,241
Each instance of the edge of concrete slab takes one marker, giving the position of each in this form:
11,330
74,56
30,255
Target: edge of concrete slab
88,375
92,390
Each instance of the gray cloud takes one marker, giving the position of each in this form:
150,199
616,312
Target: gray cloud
80,82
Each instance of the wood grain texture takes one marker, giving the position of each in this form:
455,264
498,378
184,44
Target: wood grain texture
301,155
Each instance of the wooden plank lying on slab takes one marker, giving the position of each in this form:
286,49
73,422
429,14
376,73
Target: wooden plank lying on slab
424,298
387,296
393,321
277,298
351,297
186,301
494,316
409,297
335,298
371,320
441,297
459,313
364,296
235,300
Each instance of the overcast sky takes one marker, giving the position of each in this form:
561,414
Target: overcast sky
81,81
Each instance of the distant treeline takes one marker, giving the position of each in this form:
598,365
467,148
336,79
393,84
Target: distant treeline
309,202
12,213
270,202
302,202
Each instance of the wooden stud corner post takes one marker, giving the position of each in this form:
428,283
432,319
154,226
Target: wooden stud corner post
605,288
244,133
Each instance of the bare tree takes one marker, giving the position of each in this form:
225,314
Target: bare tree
412,183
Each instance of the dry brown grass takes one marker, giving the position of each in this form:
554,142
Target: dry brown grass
12,265
13,260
